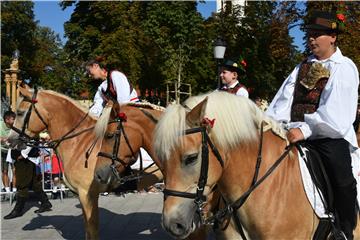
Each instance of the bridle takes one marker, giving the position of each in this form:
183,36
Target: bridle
34,142
22,135
199,197
113,156
231,208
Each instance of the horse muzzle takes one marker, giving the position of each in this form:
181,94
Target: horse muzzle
181,222
106,175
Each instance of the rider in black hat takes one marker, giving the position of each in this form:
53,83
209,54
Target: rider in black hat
318,103
230,72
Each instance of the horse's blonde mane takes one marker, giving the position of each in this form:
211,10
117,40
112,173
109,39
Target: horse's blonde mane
237,120
146,105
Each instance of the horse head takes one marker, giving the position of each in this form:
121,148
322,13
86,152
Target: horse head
31,116
183,143
127,131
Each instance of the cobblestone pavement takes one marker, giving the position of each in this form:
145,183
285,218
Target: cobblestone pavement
134,217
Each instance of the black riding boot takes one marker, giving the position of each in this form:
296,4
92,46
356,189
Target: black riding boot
345,204
18,209
45,204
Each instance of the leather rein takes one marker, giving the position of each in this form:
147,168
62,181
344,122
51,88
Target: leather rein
33,142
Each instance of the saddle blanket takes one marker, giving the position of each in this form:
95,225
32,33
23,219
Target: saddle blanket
313,194
147,160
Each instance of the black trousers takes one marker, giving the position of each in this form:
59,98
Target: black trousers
335,155
26,177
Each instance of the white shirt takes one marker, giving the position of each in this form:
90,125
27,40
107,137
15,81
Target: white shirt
338,101
240,92
122,88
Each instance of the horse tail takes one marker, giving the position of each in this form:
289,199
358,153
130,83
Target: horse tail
102,123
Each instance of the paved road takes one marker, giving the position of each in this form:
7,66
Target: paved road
135,217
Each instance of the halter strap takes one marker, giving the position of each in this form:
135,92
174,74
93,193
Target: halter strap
114,155
199,196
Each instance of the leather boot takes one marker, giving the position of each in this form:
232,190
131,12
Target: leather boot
45,204
18,209
345,205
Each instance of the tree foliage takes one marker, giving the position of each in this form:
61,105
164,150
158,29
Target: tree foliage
41,54
155,42
17,32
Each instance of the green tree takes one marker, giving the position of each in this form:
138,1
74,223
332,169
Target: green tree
17,32
48,60
108,29
259,32
181,47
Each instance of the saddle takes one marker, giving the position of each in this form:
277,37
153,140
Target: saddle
320,179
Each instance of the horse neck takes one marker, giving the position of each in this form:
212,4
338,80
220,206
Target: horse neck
146,126
64,116
241,164
276,193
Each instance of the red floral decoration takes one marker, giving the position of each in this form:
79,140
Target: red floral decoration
244,63
122,116
208,122
340,15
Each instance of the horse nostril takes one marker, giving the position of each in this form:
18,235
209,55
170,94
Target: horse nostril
178,229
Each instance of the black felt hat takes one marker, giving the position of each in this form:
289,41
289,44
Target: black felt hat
325,21
233,66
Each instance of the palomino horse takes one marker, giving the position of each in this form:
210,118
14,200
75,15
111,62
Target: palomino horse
277,209
66,120
138,128
135,132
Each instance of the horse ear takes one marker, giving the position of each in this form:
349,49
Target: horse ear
195,116
25,90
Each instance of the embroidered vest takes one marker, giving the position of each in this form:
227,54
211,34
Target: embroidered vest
110,90
306,100
234,89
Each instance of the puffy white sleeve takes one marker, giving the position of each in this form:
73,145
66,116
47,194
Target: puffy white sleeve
122,86
280,107
242,92
98,104
338,103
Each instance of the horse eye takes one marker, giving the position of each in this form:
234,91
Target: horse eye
20,113
189,159
109,135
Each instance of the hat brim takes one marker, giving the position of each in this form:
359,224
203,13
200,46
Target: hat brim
322,28
233,69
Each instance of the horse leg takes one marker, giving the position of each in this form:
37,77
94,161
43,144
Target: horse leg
90,208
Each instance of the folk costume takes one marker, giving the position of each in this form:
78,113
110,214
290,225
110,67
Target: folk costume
236,87
320,98
116,87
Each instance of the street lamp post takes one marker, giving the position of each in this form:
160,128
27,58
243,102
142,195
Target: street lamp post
219,52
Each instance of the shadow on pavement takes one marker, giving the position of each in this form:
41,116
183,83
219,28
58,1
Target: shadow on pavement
139,225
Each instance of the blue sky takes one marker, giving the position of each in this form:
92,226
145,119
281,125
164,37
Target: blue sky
49,14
